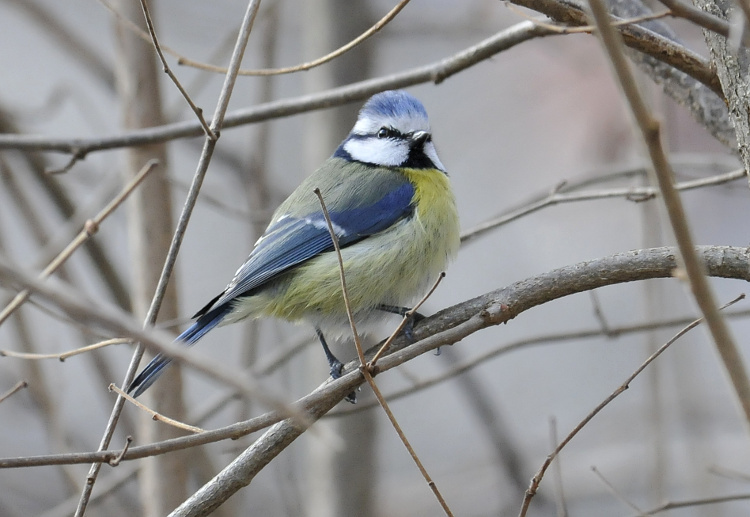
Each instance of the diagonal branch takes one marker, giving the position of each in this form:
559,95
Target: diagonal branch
444,328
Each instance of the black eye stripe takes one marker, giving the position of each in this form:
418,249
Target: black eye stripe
389,132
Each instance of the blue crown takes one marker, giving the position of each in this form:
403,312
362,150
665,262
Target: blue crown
393,103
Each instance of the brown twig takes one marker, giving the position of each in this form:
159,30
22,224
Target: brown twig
116,461
581,29
70,353
672,505
155,415
404,321
342,276
624,500
310,64
637,194
537,479
198,111
367,373
18,387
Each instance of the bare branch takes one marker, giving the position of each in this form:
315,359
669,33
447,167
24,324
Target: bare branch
634,193
447,327
570,12
649,128
435,72
154,415
62,356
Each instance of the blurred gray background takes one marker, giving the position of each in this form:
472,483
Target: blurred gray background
507,129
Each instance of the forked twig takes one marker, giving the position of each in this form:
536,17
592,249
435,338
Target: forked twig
154,415
404,321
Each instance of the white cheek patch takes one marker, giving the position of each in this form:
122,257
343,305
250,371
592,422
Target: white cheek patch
431,153
380,151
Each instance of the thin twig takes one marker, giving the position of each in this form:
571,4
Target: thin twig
342,276
116,461
198,111
537,479
672,505
62,356
89,229
74,158
18,387
649,128
404,321
562,510
364,367
310,64
635,193
617,493
598,312
155,415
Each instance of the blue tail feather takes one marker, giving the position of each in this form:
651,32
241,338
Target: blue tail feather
197,330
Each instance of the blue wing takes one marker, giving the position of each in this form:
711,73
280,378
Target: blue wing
291,240
288,242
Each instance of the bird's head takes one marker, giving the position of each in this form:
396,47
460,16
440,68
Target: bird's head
392,130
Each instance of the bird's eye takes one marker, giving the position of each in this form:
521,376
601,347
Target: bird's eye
387,132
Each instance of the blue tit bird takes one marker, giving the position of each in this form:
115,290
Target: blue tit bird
393,212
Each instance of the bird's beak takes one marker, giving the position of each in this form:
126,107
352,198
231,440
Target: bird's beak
419,138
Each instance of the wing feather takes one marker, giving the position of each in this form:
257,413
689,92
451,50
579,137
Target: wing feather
290,240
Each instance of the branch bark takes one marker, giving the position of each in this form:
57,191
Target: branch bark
732,69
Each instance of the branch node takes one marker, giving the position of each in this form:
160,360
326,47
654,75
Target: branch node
116,460
90,227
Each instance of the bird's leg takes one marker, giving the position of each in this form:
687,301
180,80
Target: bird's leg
403,311
335,364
